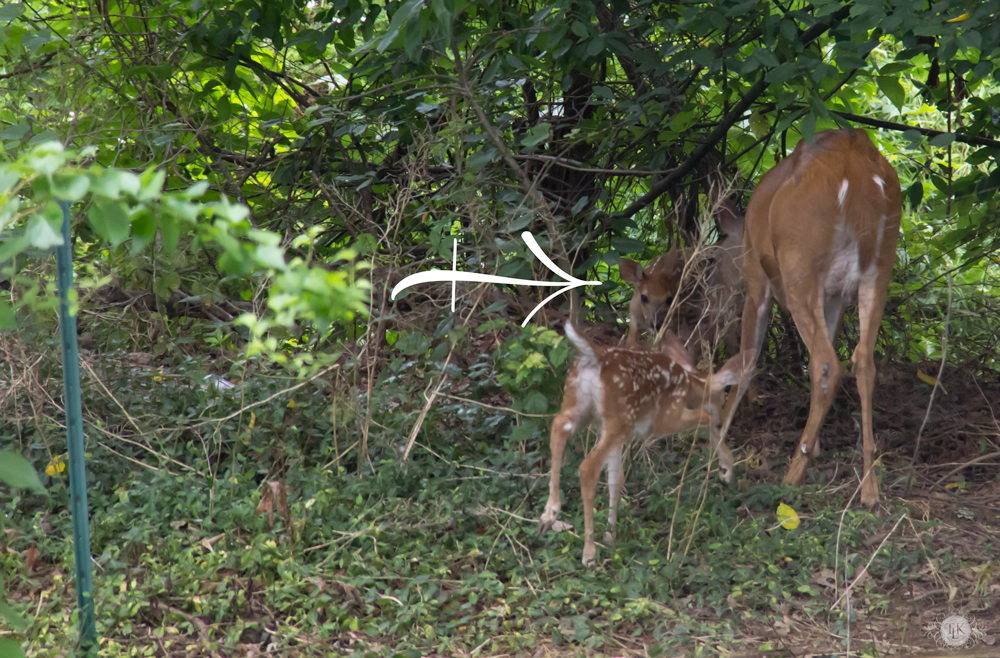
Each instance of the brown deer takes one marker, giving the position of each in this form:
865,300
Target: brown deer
633,393
706,295
821,232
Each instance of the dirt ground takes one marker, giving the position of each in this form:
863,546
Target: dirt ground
955,483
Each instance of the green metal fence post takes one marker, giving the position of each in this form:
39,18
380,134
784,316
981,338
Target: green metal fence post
74,432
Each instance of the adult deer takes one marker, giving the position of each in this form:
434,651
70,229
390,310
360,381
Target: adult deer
706,294
631,392
821,232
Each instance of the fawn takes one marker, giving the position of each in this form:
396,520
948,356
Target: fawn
633,393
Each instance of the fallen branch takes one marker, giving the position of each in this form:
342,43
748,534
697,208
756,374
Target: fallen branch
972,462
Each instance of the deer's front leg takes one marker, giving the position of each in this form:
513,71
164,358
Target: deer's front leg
720,447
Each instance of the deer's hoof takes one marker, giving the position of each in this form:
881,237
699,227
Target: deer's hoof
548,519
869,494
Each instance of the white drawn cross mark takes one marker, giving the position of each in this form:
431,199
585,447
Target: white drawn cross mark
568,281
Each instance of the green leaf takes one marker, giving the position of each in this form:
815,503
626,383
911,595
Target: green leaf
129,182
781,73
162,285
536,135
152,185
12,248
12,617
71,189
10,649
272,257
942,140
481,158
7,320
41,234
628,245
766,57
7,180
223,109
892,68
403,14
892,89
915,193
808,127
109,220
11,10
169,234
979,156
17,131
143,231
914,137
195,191
413,37
850,61
46,158
595,47
16,471
758,125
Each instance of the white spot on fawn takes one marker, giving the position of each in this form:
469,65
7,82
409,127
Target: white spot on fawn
568,427
843,192
804,451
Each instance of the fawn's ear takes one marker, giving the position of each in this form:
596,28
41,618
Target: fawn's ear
734,370
672,346
630,271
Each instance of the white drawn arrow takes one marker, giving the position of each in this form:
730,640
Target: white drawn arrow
568,281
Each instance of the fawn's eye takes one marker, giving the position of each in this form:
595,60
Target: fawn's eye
645,300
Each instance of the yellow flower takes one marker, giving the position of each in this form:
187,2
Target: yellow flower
57,465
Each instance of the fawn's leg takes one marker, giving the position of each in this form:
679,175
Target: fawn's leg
568,419
615,482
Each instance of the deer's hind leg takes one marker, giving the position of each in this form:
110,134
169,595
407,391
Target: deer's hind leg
574,413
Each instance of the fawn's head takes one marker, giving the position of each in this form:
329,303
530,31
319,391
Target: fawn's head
707,387
656,285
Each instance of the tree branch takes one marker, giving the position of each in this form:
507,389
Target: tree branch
725,124
890,125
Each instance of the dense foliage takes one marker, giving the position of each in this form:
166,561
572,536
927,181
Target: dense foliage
238,171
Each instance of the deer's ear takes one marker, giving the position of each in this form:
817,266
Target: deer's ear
731,220
678,258
630,271
734,370
672,346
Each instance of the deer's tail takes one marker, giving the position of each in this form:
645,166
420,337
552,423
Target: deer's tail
588,351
